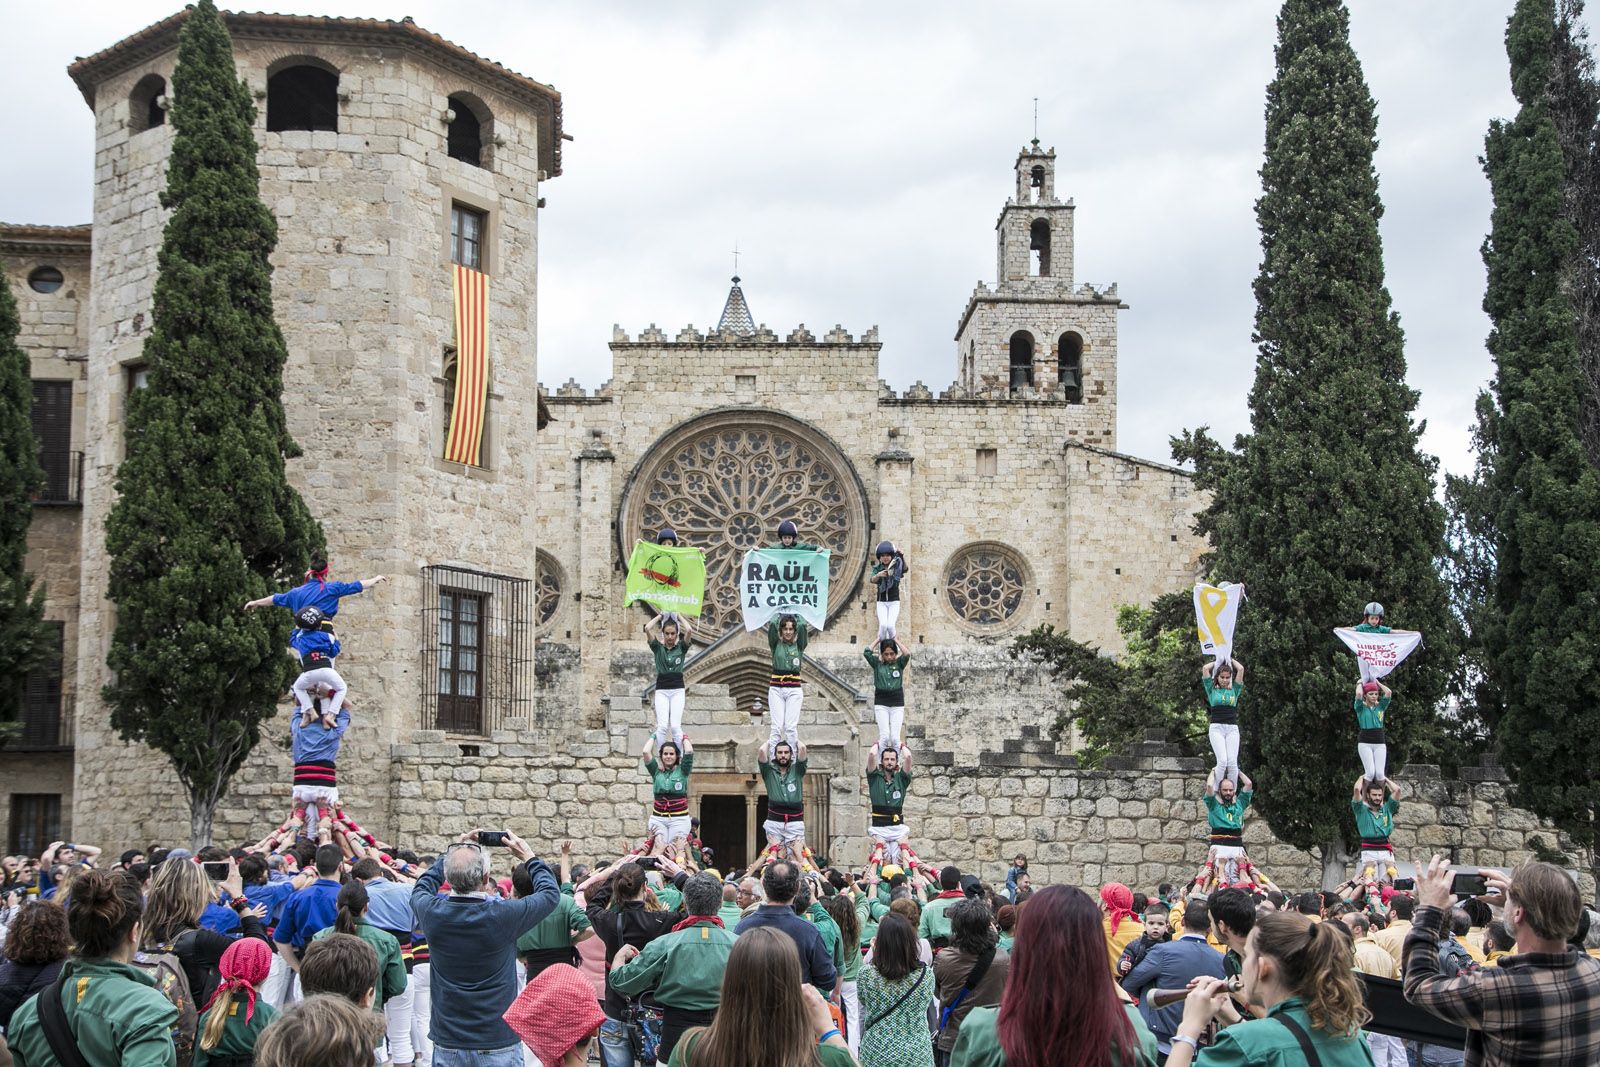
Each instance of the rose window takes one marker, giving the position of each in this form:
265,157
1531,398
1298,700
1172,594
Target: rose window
723,482
985,584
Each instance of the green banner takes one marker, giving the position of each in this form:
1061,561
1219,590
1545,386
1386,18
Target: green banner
668,578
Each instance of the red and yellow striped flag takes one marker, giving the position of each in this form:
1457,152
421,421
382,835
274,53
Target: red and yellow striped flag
464,442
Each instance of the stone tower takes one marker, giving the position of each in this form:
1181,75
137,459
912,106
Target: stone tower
388,156
1034,336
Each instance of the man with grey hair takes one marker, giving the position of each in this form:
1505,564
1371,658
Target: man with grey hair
684,967
749,898
472,942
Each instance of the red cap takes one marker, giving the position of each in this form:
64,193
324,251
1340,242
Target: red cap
554,1012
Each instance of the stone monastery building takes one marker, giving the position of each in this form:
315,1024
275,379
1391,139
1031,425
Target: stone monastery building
498,679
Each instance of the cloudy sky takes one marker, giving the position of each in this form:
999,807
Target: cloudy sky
858,155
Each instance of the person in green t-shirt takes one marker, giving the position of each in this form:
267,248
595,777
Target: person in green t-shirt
555,939
1372,700
670,650
1225,806
784,777
1374,805
888,781
669,781
1224,685
786,636
1372,617
889,659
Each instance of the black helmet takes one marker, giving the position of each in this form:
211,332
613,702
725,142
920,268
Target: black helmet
666,534
787,528
309,617
885,548
1373,608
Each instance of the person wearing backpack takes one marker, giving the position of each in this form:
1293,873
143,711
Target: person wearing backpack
970,973
178,897
101,1010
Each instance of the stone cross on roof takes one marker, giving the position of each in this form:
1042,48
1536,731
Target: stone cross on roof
736,313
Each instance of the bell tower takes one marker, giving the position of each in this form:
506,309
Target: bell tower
1034,335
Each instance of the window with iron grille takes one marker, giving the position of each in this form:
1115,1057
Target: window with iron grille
43,725
52,427
35,822
478,656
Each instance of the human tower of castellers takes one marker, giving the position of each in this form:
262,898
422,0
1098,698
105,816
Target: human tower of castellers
323,716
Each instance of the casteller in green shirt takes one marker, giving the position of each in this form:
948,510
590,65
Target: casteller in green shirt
1374,826
391,969
683,967
114,1011
1228,817
239,1035
978,1043
1259,1041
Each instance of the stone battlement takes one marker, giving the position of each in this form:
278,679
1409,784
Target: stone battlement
653,336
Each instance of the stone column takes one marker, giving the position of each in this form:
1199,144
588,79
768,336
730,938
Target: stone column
594,583
894,524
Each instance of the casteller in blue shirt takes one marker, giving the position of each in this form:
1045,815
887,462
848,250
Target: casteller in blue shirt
309,910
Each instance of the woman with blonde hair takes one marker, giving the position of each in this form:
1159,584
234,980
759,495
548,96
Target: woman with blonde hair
321,1031
1303,973
179,893
235,1017
767,1014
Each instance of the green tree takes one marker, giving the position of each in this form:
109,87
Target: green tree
21,605
1536,485
1328,502
1153,684
205,518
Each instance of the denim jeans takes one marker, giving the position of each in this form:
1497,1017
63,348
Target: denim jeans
511,1056
615,1048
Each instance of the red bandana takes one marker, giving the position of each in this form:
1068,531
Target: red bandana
691,920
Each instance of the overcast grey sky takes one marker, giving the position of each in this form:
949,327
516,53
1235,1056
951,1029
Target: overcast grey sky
859,153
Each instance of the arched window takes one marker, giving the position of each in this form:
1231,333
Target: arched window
303,97
145,110
465,138
1069,367
1039,249
1021,360
1036,185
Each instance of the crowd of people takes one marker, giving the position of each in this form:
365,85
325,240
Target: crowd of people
351,952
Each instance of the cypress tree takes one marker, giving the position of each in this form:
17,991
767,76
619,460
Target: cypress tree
1327,503
1540,627
205,518
21,605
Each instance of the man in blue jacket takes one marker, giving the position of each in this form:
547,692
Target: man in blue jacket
472,940
1171,966
781,881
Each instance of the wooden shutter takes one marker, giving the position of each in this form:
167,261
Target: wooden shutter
52,426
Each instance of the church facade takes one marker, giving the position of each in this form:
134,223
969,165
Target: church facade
388,154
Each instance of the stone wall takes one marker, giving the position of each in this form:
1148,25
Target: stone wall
1139,821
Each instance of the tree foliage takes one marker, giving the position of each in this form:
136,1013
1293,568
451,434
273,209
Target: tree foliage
1328,502
1151,685
1536,487
205,518
21,604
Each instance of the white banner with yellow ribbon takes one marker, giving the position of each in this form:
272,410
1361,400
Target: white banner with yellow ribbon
1216,609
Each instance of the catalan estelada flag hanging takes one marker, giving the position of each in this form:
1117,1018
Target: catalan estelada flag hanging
464,442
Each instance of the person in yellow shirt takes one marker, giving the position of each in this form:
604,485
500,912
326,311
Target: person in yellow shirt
1498,941
1122,929
1393,937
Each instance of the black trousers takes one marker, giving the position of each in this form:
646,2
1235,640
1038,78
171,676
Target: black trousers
675,1022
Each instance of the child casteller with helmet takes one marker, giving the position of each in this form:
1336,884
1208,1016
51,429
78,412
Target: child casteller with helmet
887,570
314,603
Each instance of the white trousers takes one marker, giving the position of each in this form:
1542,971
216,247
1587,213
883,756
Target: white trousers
850,1005
316,798
783,713
890,722
321,676
1228,857
890,837
888,616
421,985
397,1012
279,983
1225,746
1374,759
784,832
1387,1050
669,717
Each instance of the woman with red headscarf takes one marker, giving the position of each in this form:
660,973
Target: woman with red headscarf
1122,927
1059,1008
236,1015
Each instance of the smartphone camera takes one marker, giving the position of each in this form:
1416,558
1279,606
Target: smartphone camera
492,838
1469,885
